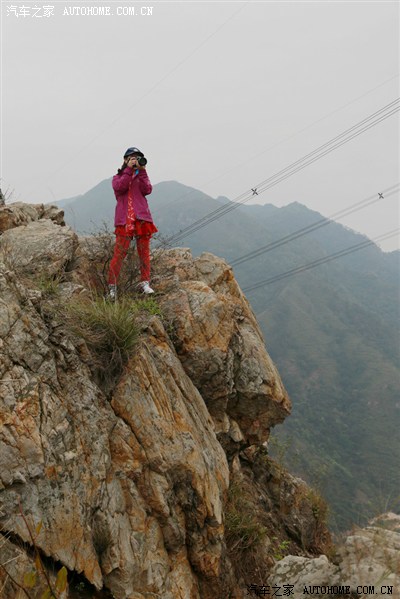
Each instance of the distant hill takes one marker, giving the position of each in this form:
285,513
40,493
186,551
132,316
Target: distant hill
332,331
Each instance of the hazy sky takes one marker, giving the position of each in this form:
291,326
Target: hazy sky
218,95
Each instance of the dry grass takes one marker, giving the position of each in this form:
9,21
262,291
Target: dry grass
111,330
246,537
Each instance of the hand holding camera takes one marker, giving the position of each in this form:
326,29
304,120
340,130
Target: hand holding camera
137,161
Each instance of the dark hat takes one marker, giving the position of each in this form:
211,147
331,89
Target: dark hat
131,151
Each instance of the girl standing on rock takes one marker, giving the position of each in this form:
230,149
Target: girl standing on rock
132,218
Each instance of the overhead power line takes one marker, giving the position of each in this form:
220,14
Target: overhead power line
251,158
319,261
334,143
376,197
287,171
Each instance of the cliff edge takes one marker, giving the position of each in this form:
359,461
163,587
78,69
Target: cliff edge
159,485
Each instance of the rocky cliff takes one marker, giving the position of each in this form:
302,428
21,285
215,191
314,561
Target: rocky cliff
159,485
367,562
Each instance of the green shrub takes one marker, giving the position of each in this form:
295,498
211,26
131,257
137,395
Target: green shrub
280,548
148,305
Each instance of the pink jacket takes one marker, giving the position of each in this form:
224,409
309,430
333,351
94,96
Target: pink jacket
138,183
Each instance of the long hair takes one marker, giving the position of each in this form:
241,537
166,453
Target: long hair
119,171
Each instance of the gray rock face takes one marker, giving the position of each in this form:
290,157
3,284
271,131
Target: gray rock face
304,572
220,345
54,436
18,213
369,557
40,247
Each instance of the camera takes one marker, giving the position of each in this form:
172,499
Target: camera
142,161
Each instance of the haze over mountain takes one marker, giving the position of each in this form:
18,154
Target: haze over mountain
332,331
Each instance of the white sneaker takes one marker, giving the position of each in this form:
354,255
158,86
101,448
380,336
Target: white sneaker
145,287
112,293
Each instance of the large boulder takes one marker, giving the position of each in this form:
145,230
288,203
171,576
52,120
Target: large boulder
40,248
304,573
367,562
18,213
371,555
220,345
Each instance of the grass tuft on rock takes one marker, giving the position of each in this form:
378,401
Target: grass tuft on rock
245,534
111,330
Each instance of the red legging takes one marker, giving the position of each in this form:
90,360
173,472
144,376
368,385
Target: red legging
121,249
